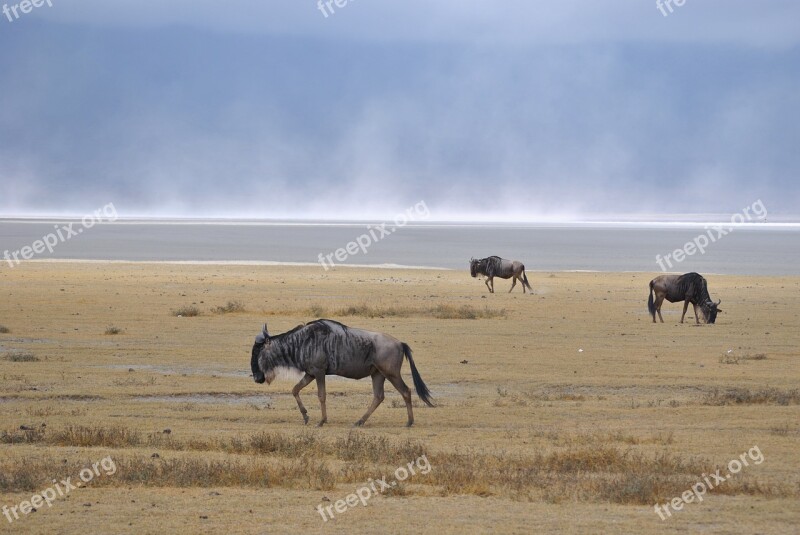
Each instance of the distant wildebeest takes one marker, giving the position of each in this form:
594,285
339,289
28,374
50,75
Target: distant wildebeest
494,266
326,347
689,288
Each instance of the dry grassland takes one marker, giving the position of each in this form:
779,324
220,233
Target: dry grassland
563,411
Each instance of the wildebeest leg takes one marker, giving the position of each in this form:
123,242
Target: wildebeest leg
401,387
321,396
377,399
490,280
659,302
685,306
696,317
296,392
514,283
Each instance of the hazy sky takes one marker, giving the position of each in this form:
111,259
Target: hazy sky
515,109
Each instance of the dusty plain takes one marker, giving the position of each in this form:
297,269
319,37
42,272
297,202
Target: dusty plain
565,411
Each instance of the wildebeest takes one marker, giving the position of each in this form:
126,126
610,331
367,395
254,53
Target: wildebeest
494,266
326,347
689,288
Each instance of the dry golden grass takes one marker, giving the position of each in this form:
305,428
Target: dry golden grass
528,430
229,307
440,311
306,461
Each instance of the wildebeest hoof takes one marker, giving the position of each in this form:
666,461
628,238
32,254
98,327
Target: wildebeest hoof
409,424
359,423
305,418
321,423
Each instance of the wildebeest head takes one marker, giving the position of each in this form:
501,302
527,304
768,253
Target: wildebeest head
710,309
262,342
473,267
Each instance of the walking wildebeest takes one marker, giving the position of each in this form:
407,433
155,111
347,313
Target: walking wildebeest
326,347
494,266
689,288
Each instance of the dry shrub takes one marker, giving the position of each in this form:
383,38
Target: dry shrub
229,307
186,311
441,311
85,437
19,356
188,472
745,396
24,435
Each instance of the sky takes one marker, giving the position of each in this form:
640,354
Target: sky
485,110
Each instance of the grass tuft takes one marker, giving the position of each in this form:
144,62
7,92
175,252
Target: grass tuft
745,396
229,307
440,311
85,437
188,311
19,356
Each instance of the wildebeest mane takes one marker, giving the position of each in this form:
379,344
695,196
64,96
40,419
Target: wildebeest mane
258,346
489,266
291,348
695,286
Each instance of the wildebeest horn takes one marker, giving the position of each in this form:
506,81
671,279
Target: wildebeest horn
719,301
263,335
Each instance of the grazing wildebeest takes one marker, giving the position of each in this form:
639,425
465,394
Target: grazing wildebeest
326,347
689,288
494,266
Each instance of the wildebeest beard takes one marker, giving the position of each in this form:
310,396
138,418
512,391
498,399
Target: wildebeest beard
258,375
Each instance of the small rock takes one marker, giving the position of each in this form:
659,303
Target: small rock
155,456
167,431
464,362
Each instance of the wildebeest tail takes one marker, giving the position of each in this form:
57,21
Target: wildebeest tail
525,279
419,385
651,306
